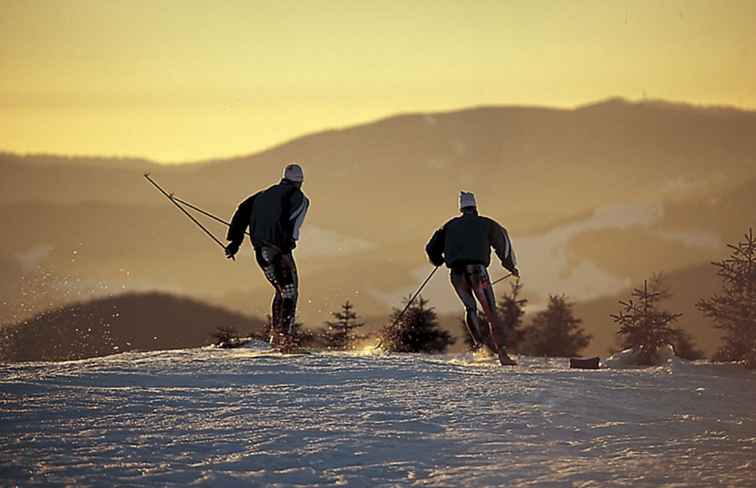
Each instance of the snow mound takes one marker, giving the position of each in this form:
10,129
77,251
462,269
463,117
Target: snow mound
630,358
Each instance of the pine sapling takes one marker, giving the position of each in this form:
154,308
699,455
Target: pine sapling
417,330
555,332
642,326
340,333
733,310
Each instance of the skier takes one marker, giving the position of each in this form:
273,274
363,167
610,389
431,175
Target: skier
274,217
464,244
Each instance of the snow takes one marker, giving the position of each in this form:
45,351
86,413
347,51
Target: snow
211,417
629,358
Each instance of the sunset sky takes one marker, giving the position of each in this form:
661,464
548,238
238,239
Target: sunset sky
186,80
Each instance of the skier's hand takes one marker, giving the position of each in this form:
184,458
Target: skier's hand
436,260
231,249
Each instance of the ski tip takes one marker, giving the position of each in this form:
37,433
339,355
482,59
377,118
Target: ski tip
147,174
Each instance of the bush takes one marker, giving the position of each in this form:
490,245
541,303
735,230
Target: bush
417,330
642,326
225,336
511,312
685,348
555,332
339,334
734,309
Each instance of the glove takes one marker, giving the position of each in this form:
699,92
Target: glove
231,249
436,260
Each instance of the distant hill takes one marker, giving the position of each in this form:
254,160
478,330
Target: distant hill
149,321
94,226
392,175
46,160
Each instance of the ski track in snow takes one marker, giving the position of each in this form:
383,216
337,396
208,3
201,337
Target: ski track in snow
207,417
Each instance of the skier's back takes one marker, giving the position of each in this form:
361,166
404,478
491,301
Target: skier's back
274,217
464,245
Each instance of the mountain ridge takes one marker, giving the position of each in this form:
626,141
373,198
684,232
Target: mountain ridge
608,102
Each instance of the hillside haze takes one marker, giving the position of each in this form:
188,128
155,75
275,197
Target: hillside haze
596,198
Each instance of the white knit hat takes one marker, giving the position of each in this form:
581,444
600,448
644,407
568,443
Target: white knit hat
466,199
293,172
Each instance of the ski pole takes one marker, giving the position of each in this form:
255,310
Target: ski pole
183,210
502,278
203,212
399,317
401,314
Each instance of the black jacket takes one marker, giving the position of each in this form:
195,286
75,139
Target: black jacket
273,215
468,239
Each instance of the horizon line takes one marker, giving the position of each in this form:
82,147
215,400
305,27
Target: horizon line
600,101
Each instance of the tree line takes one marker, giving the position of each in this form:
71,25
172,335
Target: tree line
555,331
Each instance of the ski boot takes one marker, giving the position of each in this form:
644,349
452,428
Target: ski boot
283,343
504,358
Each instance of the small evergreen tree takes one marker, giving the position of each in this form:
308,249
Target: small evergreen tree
224,335
417,330
685,348
642,326
555,332
340,334
511,312
734,309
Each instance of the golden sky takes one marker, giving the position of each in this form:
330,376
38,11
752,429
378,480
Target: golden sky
187,80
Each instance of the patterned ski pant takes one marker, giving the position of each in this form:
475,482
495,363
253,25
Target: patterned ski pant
281,271
471,282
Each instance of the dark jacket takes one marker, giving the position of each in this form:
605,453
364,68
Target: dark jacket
273,215
468,239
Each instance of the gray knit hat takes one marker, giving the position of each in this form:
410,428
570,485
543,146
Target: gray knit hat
293,172
466,199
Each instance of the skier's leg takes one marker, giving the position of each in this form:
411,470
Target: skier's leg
461,285
276,312
481,286
266,259
288,280
483,290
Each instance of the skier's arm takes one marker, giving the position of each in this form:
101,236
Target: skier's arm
503,247
435,247
297,217
240,221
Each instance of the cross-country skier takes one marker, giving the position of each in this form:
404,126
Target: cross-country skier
464,244
274,217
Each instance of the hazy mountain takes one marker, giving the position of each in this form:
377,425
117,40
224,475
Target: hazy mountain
121,323
47,160
595,198
528,166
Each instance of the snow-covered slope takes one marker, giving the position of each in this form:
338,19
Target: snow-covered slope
242,417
